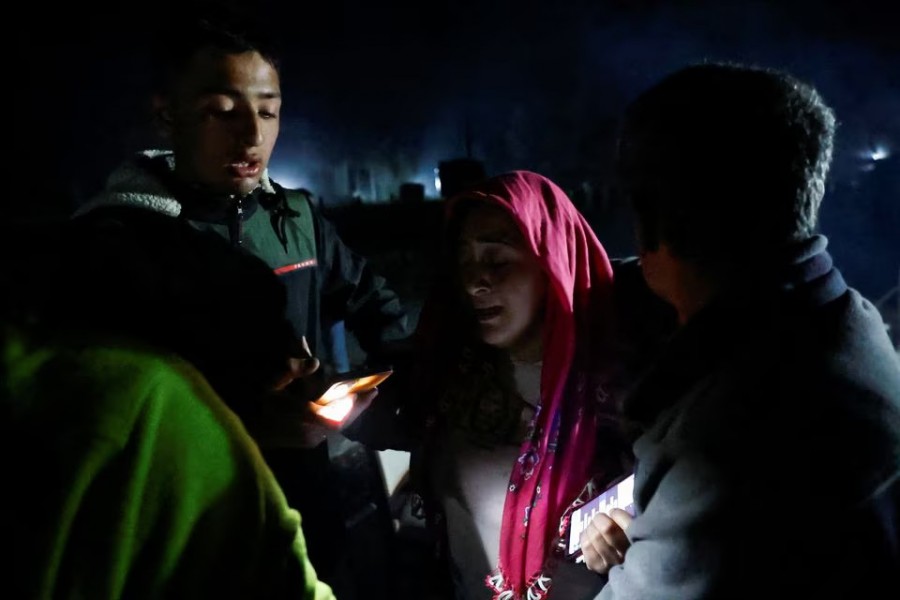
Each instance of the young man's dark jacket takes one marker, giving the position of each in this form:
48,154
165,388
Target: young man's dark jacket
324,279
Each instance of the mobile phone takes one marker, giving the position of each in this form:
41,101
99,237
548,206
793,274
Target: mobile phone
618,495
336,402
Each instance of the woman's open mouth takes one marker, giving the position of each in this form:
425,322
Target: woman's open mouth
487,314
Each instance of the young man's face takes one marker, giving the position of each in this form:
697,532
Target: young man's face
222,117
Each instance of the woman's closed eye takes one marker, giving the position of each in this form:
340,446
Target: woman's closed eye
497,266
489,264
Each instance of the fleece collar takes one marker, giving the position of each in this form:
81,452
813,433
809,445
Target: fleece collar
132,184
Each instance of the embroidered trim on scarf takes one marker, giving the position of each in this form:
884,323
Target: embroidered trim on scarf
537,589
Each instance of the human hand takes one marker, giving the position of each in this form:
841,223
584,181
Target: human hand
297,367
341,411
604,543
290,420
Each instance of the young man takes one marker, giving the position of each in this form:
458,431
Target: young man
769,460
219,103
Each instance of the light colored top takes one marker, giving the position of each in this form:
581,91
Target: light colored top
473,482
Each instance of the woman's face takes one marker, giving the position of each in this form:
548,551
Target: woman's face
502,280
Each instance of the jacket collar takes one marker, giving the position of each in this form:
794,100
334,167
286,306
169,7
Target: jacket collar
801,279
147,181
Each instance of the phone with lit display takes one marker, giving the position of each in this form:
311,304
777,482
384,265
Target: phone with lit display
619,495
336,402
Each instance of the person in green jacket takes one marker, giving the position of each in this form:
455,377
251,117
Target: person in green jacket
122,413
140,481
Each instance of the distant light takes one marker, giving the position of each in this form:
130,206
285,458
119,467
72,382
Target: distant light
437,180
879,153
287,179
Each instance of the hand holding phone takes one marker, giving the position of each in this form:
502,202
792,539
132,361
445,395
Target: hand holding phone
618,496
310,408
342,393
297,367
604,542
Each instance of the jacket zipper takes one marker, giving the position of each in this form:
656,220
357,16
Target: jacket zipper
237,228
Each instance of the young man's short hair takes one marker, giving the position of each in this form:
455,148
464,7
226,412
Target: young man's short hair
226,33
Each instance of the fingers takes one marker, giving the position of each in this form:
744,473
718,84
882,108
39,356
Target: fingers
622,518
603,544
613,533
283,381
306,364
305,346
296,368
301,367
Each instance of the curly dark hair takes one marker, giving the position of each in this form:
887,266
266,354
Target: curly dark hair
725,162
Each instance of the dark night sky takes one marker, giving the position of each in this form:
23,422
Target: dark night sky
540,85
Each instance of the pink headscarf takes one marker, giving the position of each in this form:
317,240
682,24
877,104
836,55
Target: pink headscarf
560,458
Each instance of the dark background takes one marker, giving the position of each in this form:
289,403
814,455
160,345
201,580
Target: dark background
395,88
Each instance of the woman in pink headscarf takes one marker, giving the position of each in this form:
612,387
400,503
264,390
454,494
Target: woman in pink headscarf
522,427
